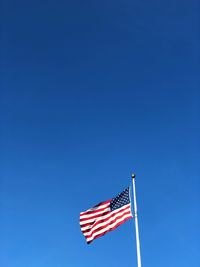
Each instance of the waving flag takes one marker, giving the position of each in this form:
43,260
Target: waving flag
106,216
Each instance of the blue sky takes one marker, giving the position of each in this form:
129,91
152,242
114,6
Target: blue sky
91,91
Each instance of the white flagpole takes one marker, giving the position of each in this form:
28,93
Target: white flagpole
136,223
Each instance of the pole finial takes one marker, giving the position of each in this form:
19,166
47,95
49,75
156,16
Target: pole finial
133,176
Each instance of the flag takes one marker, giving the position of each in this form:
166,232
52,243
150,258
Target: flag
106,216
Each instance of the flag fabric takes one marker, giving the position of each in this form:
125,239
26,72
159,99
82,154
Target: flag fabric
106,216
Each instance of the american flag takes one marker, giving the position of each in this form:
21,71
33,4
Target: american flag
106,216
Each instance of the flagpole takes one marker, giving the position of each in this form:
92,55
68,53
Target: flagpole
136,223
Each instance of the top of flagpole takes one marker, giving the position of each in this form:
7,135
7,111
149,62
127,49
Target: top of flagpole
133,175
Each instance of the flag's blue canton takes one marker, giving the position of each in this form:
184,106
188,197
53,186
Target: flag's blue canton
120,200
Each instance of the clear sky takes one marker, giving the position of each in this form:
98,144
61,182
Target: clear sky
89,92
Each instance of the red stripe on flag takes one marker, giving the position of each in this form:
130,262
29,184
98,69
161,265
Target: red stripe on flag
95,208
109,229
116,215
95,216
99,216
104,226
